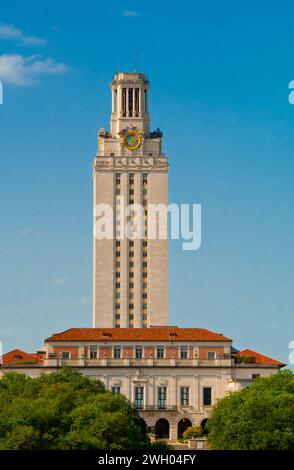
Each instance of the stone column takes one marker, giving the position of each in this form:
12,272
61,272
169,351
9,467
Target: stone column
173,393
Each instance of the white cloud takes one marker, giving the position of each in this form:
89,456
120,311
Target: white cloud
12,33
131,13
19,70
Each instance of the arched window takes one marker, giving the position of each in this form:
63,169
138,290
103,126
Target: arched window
162,429
203,425
182,426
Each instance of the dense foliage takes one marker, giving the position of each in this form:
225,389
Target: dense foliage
66,410
193,431
257,418
244,359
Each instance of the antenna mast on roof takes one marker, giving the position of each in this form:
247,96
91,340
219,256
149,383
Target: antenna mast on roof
117,60
135,62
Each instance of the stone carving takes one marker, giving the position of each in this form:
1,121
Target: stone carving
163,382
139,374
102,163
116,383
128,162
133,162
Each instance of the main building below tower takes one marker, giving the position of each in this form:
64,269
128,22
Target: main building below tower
130,288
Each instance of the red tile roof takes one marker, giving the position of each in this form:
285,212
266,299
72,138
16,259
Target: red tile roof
260,358
171,334
17,356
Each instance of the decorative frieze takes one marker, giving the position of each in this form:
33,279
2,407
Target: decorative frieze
119,163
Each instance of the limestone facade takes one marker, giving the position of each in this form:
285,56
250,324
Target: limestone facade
130,275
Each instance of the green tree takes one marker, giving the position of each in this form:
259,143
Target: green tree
66,410
260,417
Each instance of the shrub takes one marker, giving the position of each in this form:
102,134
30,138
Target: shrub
245,359
193,431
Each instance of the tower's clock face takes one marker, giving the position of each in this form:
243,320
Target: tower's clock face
132,140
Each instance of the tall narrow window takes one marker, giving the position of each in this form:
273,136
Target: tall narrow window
137,102
160,352
161,397
130,102
184,396
124,101
115,390
139,397
184,352
145,101
139,352
115,101
116,352
93,352
207,396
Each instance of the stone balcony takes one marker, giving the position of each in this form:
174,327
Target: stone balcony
137,363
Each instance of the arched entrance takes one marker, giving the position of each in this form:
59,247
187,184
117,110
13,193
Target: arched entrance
162,429
203,424
182,426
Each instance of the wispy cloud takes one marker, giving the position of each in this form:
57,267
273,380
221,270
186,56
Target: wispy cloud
7,332
130,13
82,301
272,326
59,281
19,70
12,33
25,231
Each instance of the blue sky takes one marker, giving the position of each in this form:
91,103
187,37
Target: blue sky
219,75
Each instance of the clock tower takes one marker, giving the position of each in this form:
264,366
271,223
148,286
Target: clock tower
130,287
